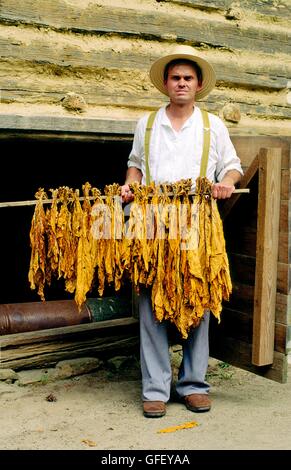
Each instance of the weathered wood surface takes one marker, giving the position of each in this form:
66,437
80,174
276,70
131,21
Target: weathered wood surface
266,256
89,129
262,7
41,348
44,354
68,58
146,24
53,334
76,124
246,244
242,300
40,90
243,268
239,324
239,353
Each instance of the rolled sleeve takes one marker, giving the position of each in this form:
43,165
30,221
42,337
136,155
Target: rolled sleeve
228,159
137,152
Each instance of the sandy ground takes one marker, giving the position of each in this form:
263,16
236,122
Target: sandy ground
102,410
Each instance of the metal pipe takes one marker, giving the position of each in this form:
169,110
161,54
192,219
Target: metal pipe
31,316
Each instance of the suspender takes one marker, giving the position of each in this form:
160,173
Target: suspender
206,144
147,136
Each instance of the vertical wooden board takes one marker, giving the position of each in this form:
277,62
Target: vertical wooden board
266,256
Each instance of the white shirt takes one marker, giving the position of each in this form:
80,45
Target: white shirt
177,155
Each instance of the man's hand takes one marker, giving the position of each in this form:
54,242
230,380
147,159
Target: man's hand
222,190
126,194
225,188
132,175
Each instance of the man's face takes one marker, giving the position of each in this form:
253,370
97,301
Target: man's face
182,84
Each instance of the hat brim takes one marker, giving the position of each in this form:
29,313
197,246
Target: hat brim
208,74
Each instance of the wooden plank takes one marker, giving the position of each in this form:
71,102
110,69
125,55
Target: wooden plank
283,308
242,299
53,334
245,243
239,353
285,215
284,254
266,256
76,124
146,24
285,184
261,7
284,281
239,325
30,87
243,268
92,129
43,354
70,57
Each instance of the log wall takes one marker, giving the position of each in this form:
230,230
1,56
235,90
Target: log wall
103,49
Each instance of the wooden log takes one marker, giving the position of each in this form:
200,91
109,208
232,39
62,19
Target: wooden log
106,93
67,332
266,256
78,125
71,60
146,24
48,354
265,7
46,347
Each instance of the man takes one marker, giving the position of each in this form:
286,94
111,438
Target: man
175,150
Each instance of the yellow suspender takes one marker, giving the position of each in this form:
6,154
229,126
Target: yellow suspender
206,144
147,136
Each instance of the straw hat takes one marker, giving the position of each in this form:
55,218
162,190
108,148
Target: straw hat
183,52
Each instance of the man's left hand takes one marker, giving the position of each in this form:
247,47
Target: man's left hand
222,190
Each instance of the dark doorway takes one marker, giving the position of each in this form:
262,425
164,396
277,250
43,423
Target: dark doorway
31,163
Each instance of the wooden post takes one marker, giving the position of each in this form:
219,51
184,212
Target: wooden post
266,256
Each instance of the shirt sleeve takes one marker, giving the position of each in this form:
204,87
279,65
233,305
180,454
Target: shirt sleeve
137,151
227,156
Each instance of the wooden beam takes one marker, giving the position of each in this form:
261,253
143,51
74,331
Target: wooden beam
71,60
148,24
52,334
266,256
266,7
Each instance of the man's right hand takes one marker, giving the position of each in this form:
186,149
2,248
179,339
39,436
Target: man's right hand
126,194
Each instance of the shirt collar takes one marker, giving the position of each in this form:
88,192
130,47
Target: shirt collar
165,121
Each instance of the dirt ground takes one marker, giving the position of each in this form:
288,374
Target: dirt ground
102,410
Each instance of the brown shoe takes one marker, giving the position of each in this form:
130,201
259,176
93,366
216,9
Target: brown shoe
197,402
154,409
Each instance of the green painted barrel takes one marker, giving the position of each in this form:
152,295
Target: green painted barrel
109,308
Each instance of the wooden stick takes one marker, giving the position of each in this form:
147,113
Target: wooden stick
90,198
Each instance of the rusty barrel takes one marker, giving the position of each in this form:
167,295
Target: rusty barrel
32,316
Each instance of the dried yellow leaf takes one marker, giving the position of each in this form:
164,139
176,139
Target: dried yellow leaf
188,425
